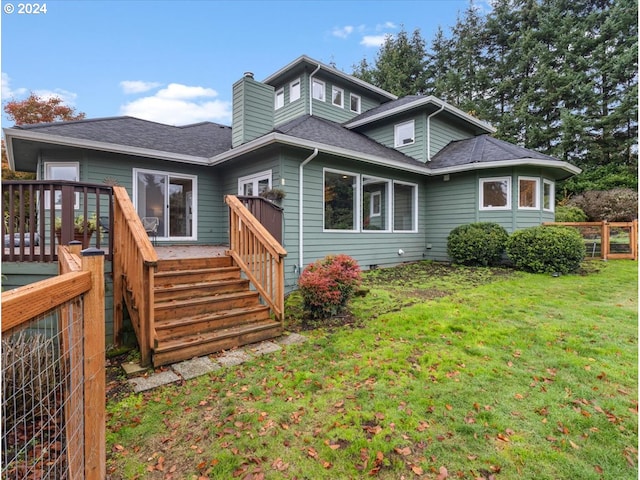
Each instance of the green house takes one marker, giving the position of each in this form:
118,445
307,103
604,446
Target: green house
380,178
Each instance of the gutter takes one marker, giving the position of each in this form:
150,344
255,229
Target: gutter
429,131
301,209
311,89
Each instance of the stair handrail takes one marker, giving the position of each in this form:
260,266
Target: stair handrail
258,254
134,264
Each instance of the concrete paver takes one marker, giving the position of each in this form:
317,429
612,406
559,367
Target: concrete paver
195,367
140,384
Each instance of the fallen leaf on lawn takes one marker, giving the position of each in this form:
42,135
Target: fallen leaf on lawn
504,438
417,469
577,447
403,451
598,469
448,407
443,473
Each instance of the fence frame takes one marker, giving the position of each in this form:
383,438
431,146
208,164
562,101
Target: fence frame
605,246
78,276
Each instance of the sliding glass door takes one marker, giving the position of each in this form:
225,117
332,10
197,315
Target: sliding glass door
169,197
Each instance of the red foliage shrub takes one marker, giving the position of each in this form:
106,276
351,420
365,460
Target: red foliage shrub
328,284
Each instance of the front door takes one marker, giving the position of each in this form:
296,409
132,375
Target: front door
168,197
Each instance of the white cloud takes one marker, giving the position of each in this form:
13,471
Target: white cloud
180,105
374,40
386,26
9,93
342,32
67,97
137,86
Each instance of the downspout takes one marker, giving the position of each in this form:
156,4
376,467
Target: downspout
429,131
301,209
311,89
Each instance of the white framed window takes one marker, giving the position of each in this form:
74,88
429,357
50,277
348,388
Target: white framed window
279,102
61,171
294,90
405,207
171,198
255,184
528,193
337,96
341,200
404,133
548,195
495,193
354,103
376,204
318,90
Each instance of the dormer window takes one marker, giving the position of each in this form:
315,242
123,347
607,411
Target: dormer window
355,103
318,90
294,91
404,133
279,99
337,97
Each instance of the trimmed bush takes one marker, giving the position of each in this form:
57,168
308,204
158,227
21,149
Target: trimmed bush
546,249
570,214
328,284
480,243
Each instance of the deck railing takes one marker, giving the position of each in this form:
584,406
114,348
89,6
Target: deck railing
135,262
53,390
258,254
40,215
607,240
267,213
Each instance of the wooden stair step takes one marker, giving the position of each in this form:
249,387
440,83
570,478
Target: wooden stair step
193,263
175,327
186,276
190,290
204,344
205,304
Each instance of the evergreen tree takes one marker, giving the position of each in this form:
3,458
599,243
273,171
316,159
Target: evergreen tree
399,66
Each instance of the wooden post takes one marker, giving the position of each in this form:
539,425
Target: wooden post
633,239
94,371
605,240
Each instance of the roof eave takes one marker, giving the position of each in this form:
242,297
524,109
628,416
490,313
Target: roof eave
559,164
418,103
30,135
282,139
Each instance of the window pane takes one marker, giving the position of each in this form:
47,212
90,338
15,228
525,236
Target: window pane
403,205
355,103
318,90
279,99
337,97
375,204
151,199
404,134
294,94
548,196
339,201
495,193
528,194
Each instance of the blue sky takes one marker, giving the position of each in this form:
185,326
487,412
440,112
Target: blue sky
175,61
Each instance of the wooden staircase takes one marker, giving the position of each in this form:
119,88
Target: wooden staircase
202,306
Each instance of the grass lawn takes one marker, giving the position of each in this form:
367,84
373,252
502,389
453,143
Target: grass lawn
439,372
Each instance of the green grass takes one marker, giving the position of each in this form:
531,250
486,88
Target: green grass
481,371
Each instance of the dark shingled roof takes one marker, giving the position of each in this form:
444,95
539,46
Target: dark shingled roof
329,133
204,139
386,107
482,148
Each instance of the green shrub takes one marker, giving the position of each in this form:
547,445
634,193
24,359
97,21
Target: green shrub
616,205
569,213
546,249
480,243
328,284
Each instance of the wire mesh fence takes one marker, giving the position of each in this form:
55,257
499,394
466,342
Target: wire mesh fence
42,396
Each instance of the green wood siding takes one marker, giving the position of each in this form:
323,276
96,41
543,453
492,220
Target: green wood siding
297,108
456,202
253,110
101,167
443,132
